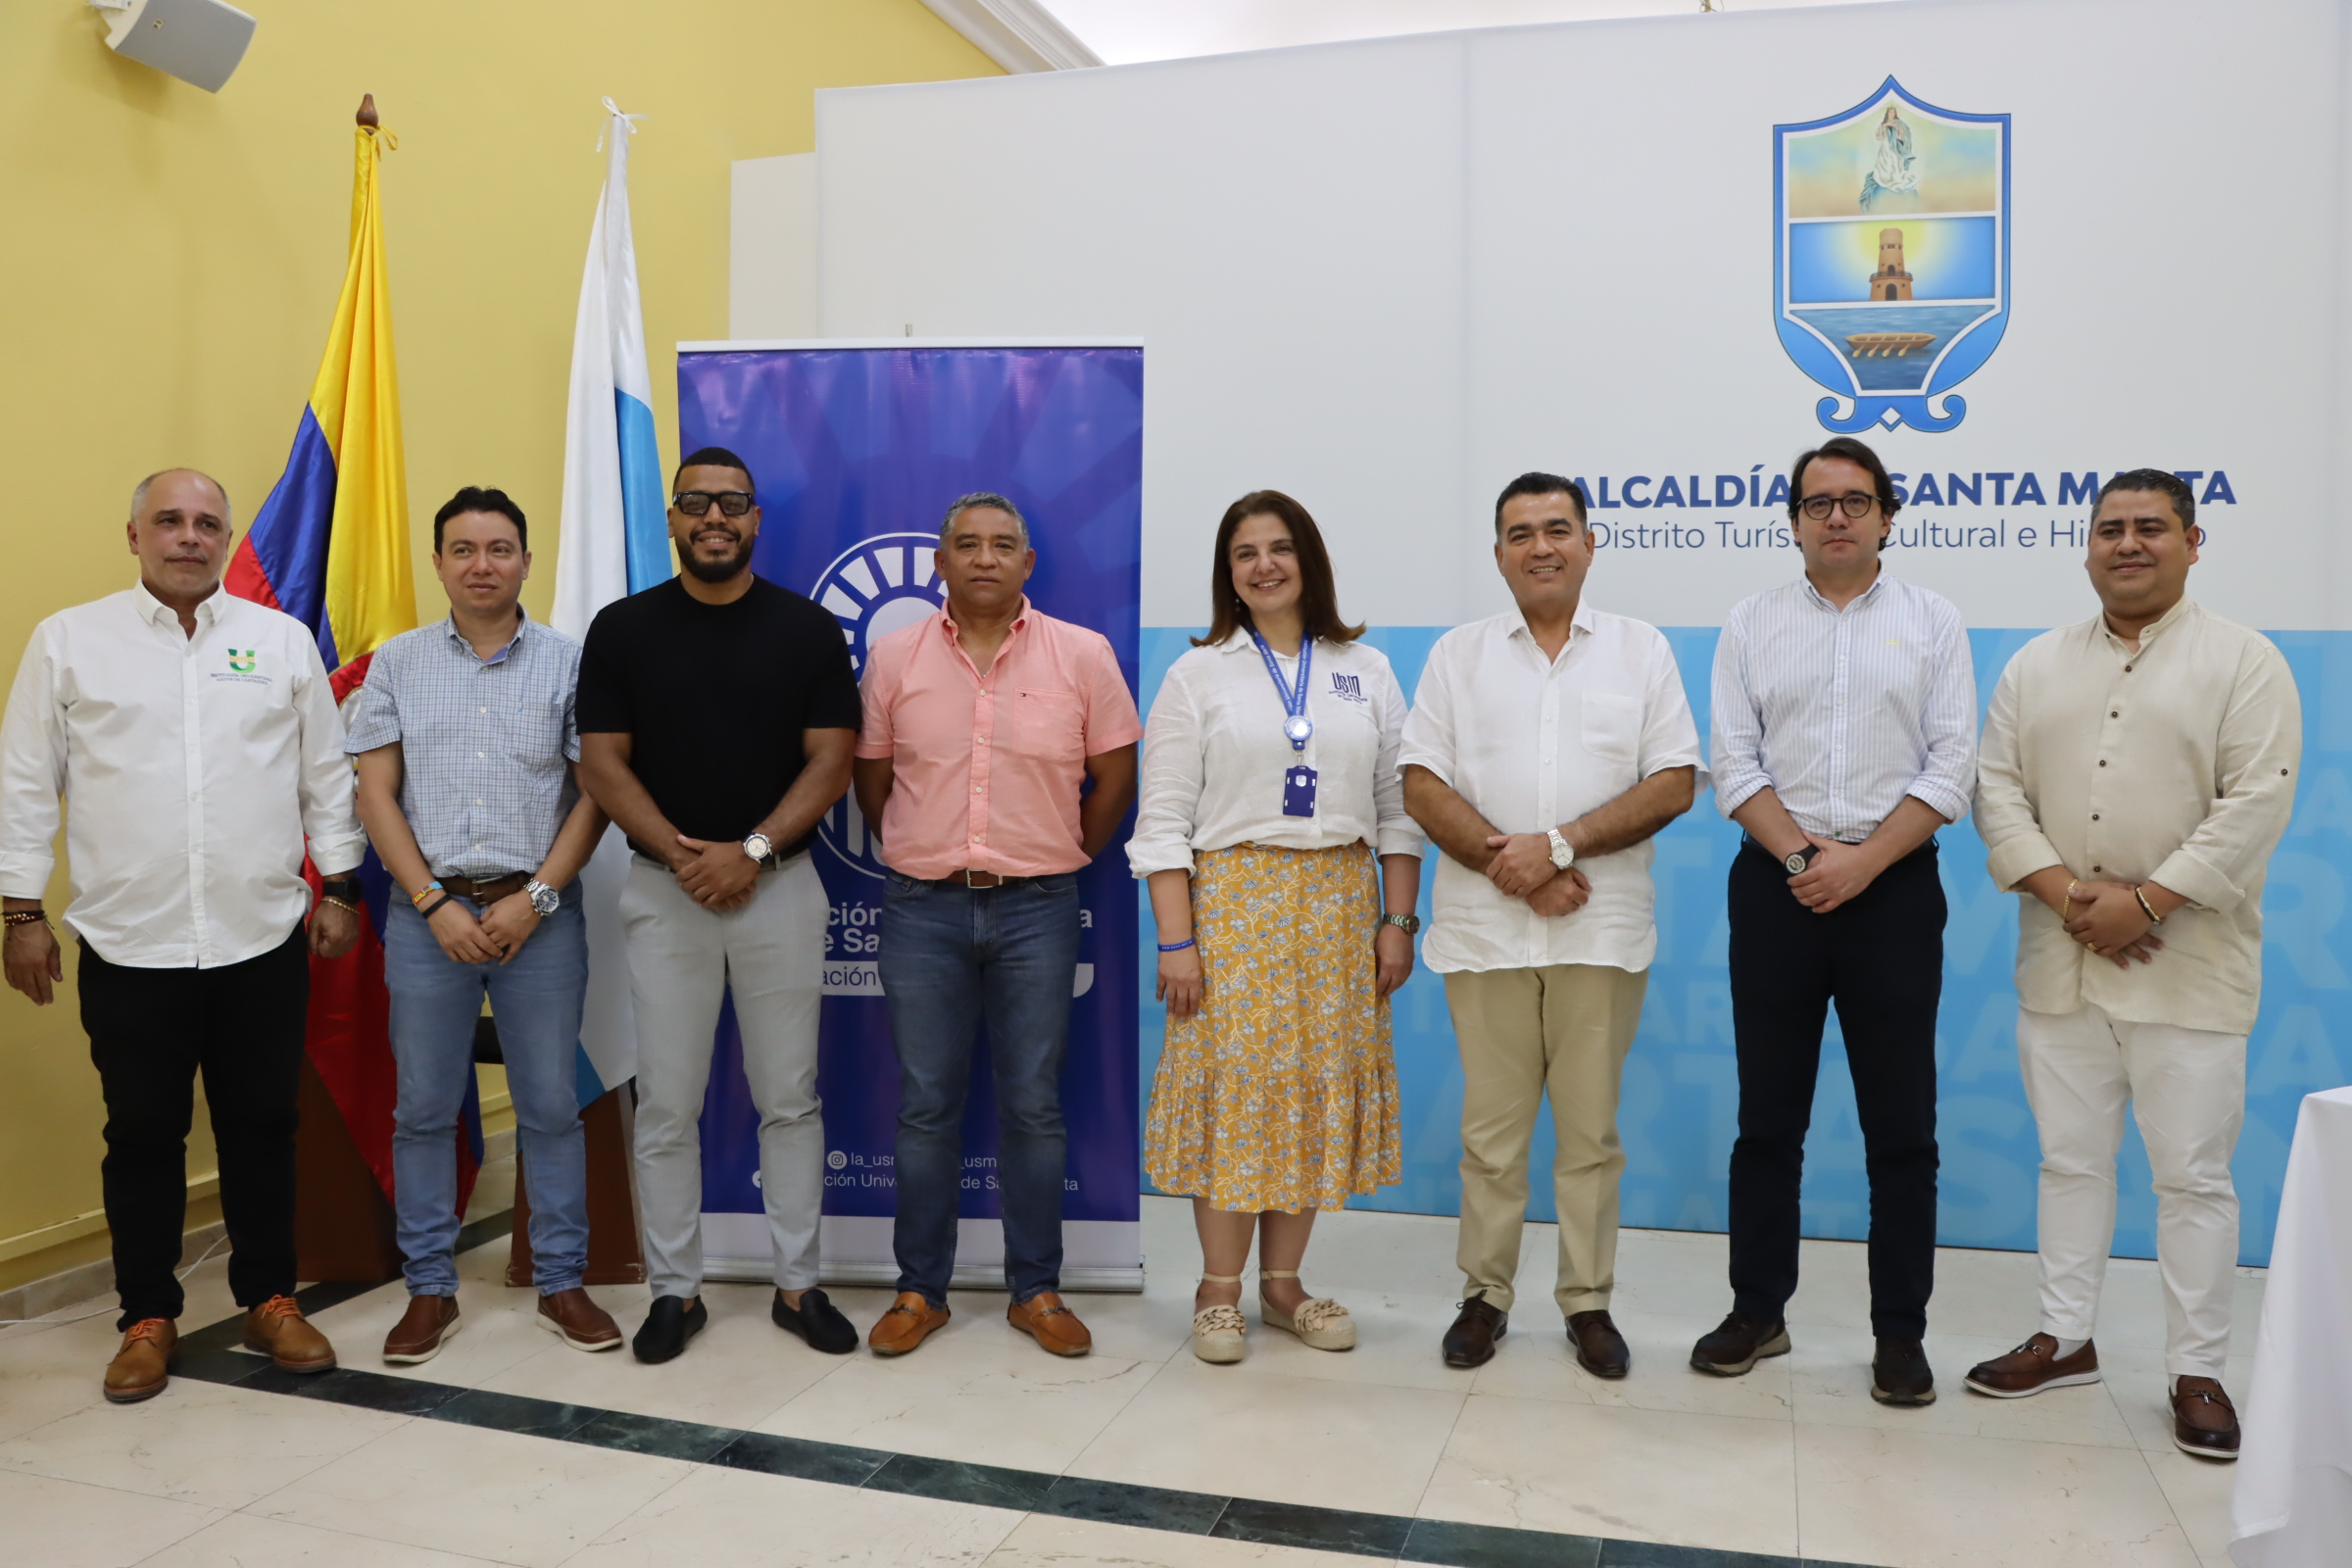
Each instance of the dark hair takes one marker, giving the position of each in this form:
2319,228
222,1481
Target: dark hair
714,457
1853,452
473,497
1318,600
1536,482
2168,485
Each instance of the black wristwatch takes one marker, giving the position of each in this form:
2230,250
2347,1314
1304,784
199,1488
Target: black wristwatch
345,887
1801,858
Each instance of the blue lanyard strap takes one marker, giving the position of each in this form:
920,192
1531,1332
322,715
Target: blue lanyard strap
1296,725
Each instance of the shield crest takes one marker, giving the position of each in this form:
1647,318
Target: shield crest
1890,263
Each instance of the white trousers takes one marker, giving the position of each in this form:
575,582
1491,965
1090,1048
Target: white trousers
2187,1088
682,960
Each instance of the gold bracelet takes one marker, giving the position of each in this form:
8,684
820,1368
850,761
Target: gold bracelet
347,909
2147,908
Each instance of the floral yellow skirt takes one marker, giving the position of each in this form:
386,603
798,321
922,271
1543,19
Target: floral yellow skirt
1281,1092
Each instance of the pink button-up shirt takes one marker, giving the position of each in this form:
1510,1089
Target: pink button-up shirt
987,767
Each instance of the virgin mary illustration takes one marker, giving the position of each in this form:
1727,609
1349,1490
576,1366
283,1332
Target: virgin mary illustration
1896,171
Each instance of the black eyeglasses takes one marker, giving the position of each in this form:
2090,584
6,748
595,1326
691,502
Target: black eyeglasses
734,503
1855,504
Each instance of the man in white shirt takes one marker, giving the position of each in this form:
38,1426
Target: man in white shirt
1545,748
1844,736
194,738
2139,769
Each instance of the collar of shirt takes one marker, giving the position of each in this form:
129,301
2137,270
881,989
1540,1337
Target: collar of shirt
522,623
2148,633
154,612
1856,603
955,635
1582,623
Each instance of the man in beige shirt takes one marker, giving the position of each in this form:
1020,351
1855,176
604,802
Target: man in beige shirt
2137,771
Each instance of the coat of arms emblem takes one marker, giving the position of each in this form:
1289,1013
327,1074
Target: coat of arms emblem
1890,263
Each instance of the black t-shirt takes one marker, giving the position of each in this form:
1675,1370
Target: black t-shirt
715,697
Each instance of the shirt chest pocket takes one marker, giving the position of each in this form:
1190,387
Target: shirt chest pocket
1612,727
1048,725
531,731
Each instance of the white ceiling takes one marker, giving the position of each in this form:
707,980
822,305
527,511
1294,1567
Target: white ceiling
1123,31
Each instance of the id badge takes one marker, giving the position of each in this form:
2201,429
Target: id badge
1299,792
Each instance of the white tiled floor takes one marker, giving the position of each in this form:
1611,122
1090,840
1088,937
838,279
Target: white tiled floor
1794,1459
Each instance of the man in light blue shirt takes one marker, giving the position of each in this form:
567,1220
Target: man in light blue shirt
466,746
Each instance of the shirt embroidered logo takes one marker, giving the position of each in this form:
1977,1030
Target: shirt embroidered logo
243,660
1349,688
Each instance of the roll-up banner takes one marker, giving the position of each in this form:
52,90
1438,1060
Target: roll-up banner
856,450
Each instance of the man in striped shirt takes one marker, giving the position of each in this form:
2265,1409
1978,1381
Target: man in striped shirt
1844,736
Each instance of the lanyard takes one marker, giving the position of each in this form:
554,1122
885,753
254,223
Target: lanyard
1296,726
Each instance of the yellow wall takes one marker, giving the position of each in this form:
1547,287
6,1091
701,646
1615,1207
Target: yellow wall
169,260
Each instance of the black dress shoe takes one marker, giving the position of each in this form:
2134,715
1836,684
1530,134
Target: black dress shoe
818,1320
1899,1374
668,1327
1600,1348
1739,1343
1471,1339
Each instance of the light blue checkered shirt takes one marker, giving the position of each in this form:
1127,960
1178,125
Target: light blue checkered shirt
486,744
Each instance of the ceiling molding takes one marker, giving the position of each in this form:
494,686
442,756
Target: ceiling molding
1021,35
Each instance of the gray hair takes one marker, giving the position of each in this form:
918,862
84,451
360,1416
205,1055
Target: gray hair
138,497
977,499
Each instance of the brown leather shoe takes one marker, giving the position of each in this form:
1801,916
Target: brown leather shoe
2204,1421
910,1321
1044,1318
1600,1348
277,1330
1471,1339
573,1317
2034,1366
430,1322
141,1369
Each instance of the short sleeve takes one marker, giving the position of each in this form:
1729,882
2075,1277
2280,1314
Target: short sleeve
375,717
1112,720
1669,734
1429,740
601,703
571,705
833,699
879,691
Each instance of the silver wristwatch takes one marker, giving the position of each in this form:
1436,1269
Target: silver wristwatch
1410,924
545,900
759,848
1563,853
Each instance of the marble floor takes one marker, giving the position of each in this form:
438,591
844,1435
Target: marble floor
1379,1451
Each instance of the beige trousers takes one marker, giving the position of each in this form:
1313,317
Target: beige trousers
1561,1030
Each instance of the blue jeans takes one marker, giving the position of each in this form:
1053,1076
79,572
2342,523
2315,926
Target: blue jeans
950,956
537,1000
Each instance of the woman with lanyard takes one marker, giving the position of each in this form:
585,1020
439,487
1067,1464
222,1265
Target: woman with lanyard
1269,783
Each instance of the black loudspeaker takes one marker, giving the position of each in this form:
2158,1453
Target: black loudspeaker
199,41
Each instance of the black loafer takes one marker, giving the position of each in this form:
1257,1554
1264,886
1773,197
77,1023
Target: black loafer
1471,1339
818,1320
668,1327
1899,1374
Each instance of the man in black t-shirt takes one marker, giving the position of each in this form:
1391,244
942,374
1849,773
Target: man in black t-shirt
717,714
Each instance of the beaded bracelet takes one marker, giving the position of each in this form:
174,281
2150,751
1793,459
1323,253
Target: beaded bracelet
27,916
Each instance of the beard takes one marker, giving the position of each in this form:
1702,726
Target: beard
719,570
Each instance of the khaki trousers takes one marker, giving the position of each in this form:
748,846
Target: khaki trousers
1563,1029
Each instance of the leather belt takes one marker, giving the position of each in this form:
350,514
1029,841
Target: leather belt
970,878
485,893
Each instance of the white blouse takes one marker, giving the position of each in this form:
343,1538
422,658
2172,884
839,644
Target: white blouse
1214,757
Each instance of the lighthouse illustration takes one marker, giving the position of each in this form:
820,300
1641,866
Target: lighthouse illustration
1890,282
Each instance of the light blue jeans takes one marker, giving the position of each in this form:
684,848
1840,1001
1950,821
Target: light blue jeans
536,1000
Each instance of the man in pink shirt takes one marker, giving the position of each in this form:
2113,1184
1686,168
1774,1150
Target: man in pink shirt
983,725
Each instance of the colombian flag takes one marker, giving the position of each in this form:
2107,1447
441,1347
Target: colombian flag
330,547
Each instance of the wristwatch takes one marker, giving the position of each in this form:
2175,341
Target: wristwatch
344,885
760,849
545,901
1410,924
1563,853
1800,858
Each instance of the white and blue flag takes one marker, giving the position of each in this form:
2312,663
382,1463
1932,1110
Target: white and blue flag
614,540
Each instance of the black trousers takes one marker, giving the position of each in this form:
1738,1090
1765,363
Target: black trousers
1880,958
151,1032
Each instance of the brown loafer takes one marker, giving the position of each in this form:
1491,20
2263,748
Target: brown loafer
429,1322
1044,1318
1599,1349
2034,1366
141,1369
2204,1421
277,1330
1470,1342
910,1321
573,1317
